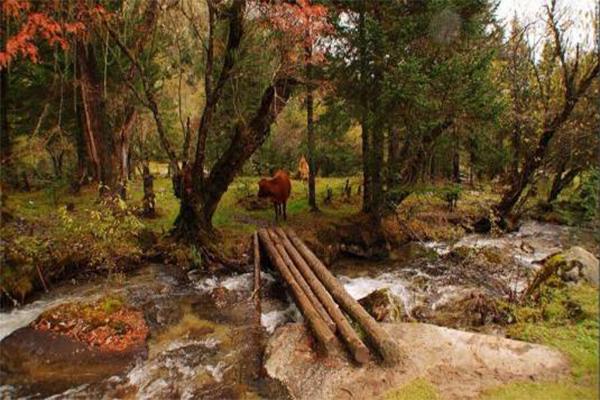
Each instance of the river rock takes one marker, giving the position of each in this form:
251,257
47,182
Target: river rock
578,263
49,363
470,309
383,305
459,364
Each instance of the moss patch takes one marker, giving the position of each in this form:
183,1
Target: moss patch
419,389
541,391
565,318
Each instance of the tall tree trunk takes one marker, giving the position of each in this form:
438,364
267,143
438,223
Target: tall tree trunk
100,138
364,118
124,146
377,150
393,155
432,166
310,132
456,159
517,152
5,150
81,150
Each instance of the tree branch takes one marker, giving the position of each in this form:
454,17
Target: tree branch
150,100
236,15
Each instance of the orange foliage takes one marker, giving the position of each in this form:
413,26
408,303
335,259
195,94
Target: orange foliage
301,25
34,26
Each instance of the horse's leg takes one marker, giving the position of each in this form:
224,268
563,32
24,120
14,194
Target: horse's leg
284,206
276,211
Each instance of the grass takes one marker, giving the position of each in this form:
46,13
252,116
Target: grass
576,336
36,205
542,391
231,217
89,233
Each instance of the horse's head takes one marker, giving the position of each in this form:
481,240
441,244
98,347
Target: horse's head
263,188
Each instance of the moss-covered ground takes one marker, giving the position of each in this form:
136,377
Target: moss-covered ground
566,318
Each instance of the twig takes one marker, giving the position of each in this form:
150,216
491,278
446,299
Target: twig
37,267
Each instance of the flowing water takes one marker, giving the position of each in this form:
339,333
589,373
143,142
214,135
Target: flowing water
432,280
205,341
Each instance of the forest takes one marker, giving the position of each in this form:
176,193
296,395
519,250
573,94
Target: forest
228,199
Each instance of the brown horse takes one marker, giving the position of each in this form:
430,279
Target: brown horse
278,189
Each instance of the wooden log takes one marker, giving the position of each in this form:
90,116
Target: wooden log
301,281
317,325
356,346
386,346
256,292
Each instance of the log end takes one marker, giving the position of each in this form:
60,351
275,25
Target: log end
392,353
362,355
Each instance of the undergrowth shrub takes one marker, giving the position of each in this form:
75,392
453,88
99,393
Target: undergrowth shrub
33,254
589,195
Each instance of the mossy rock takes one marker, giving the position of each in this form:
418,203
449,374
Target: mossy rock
415,250
460,253
472,310
384,306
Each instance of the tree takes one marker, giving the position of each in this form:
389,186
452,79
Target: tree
33,26
200,191
575,149
413,86
577,75
519,76
108,146
305,24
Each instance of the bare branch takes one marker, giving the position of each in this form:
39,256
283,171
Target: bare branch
559,46
150,100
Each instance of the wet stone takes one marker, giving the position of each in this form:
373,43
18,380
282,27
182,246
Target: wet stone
44,362
384,306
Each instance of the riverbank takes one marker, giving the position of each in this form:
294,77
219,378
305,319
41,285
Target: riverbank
202,324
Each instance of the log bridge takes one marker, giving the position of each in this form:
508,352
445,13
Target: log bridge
328,309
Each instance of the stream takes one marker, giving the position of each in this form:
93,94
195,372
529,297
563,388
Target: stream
204,340
431,278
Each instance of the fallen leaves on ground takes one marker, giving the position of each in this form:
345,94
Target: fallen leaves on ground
106,324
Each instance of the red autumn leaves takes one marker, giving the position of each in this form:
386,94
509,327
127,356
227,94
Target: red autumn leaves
301,27
35,26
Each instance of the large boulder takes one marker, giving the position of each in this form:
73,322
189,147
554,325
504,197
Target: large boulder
384,306
459,364
577,263
49,363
